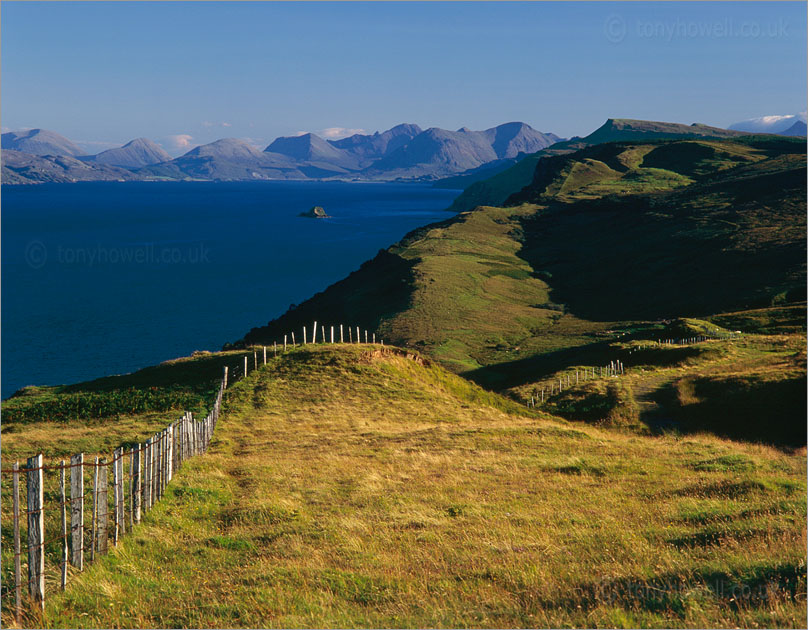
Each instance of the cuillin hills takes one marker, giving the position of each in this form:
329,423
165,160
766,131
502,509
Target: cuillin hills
404,152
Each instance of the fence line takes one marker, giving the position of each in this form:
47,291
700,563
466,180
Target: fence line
105,525
152,466
544,391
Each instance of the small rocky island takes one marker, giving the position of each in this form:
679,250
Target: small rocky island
315,212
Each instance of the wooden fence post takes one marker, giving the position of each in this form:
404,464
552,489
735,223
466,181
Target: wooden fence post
132,487
350,334
103,508
77,509
152,471
225,377
341,337
17,558
332,334
137,497
245,366
161,456
121,494
314,332
164,462
255,359
36,530
63,497
265,355
322,335
358,340
94,515
146,473
304,335
158,443
116,526
294,345
284,343
63,504
178,433
186,450
150,480
170,473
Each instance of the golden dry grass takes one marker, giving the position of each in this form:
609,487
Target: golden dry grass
344,489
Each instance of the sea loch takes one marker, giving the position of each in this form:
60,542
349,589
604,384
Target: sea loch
106,278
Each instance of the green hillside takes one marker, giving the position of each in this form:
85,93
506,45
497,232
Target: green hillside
393,493
605,242
496,189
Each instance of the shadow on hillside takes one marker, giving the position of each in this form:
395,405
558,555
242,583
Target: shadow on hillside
670,592
739,408
508,374
710,248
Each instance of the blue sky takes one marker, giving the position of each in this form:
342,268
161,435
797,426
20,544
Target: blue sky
102,73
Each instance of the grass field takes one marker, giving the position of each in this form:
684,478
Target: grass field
351,486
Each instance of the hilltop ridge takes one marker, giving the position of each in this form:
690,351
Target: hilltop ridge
493,191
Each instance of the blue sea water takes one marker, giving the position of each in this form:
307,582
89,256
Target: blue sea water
105,278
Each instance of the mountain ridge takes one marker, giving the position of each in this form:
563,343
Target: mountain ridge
134,154
40,142
404,152
496,189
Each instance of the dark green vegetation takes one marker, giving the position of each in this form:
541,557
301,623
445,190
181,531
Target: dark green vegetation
187,383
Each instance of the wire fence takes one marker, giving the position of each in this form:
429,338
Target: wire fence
547,389
88,511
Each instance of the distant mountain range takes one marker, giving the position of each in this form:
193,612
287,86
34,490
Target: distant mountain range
787,125
404,153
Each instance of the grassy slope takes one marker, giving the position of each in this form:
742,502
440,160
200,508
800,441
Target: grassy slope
457,290
611,236
496,189
347,489
731,239
751,388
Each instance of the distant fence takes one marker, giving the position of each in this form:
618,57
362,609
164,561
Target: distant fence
115,509
552,387
570,379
